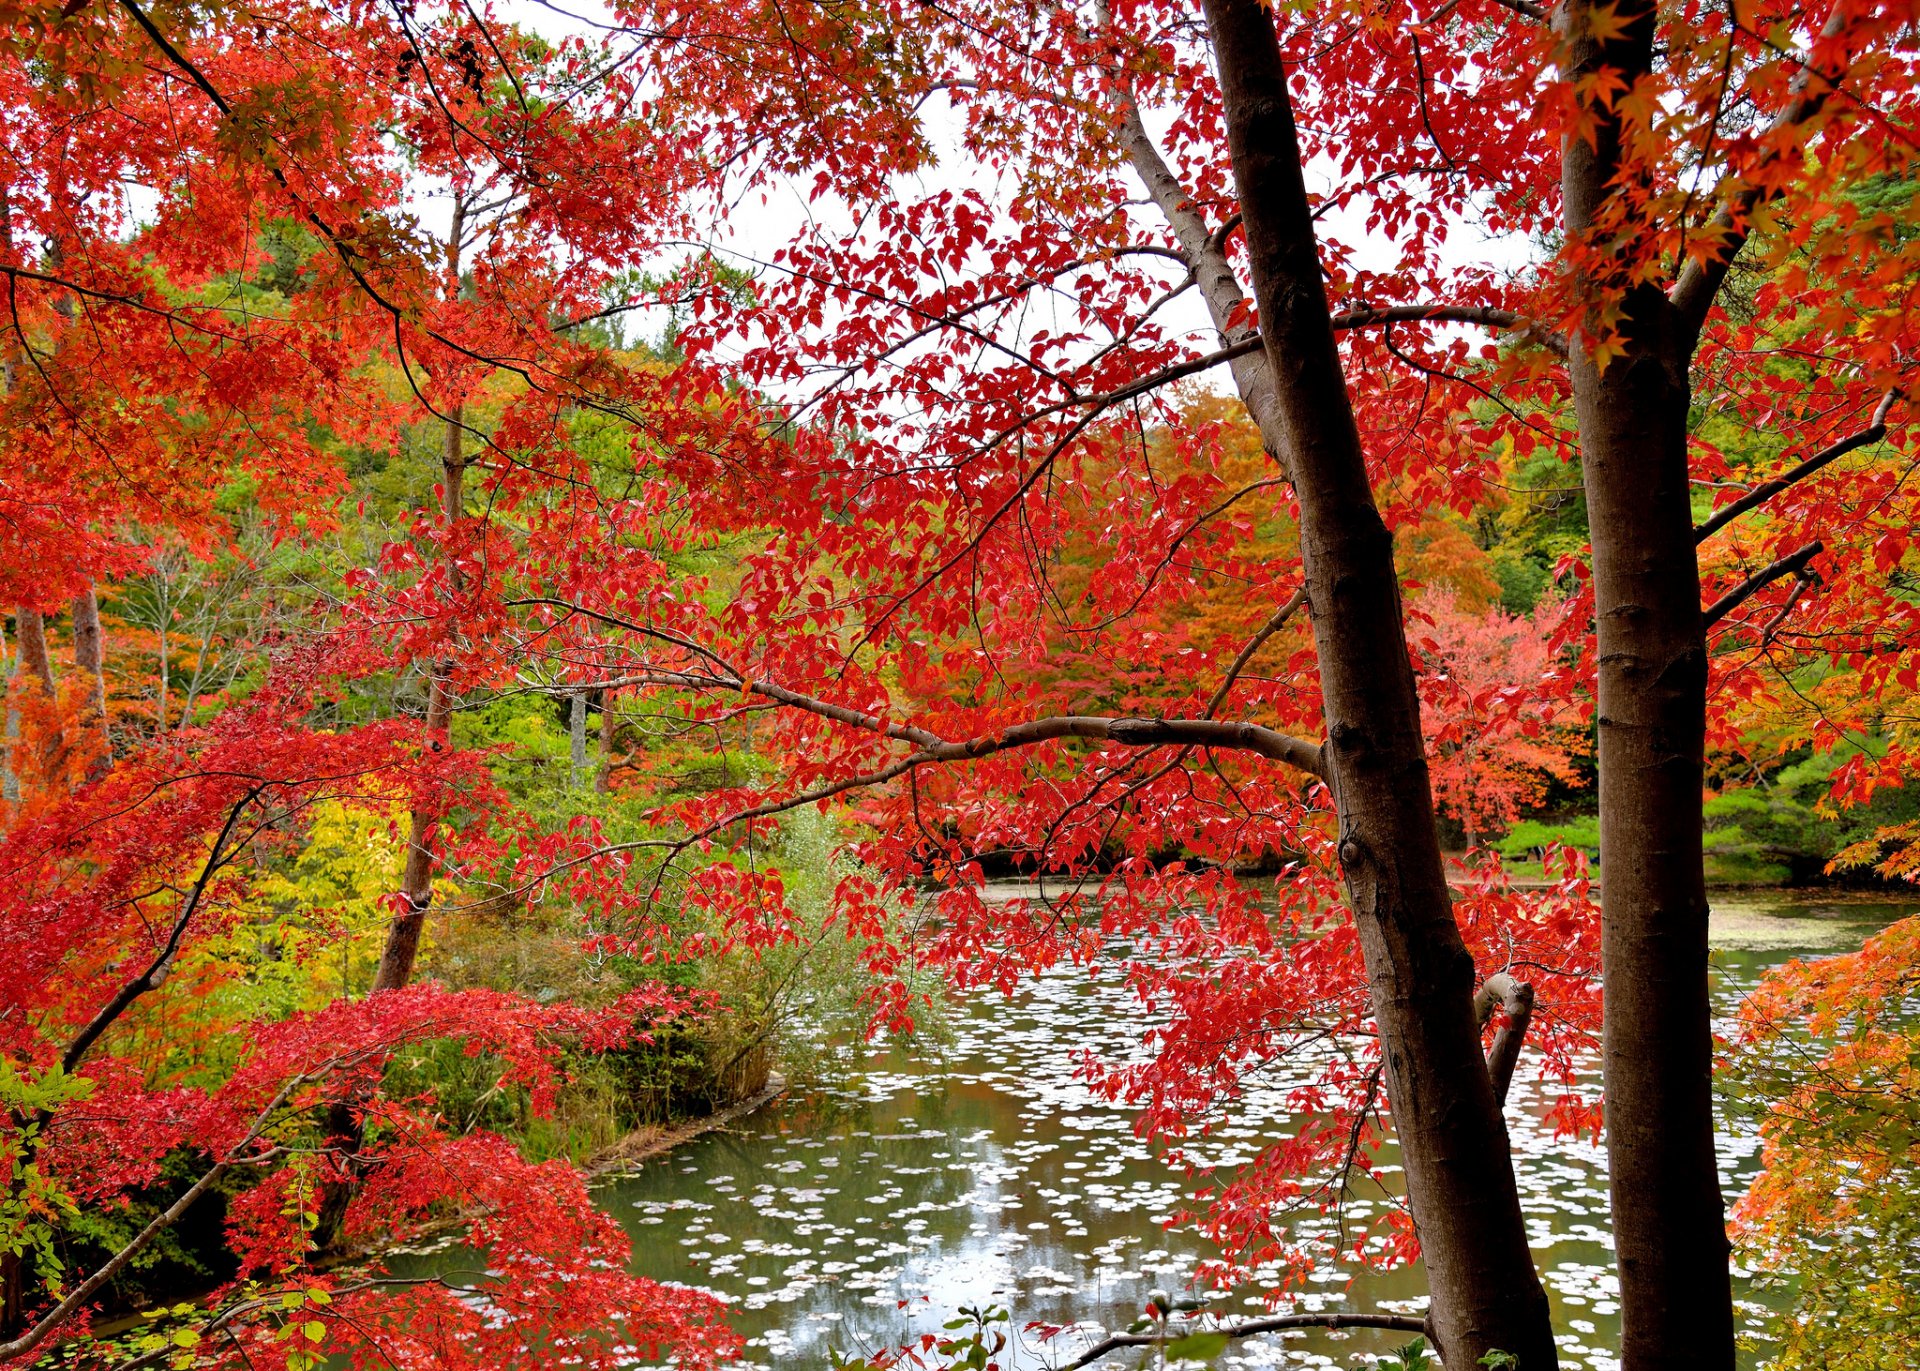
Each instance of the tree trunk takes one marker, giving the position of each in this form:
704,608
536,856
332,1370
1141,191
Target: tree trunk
32,662
35,661
603,779
1486,1295
89,656
345,1129
1669,1222
416,878
577,739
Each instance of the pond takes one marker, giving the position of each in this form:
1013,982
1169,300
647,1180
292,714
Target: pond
856,1216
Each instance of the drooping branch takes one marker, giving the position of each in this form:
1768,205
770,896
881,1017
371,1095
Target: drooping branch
1515,998
1875,430
1399,1323
156,973
1215,733
1130,732
1188,733
1791,564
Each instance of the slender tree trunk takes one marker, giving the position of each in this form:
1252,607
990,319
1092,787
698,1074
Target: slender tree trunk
89,656
577,739
345,1128
165,617
32,662
36,663
9,778
1486,1294
1669,1221
603,779
31,626
416,878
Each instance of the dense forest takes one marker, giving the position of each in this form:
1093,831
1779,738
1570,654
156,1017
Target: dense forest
559,565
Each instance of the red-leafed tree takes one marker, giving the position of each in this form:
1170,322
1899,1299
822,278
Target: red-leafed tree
969,376
108,893
1496,739
224,273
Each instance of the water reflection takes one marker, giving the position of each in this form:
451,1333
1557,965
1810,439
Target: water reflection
859,1216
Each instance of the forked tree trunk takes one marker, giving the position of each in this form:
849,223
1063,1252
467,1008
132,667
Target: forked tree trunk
1669,1221
1486,1295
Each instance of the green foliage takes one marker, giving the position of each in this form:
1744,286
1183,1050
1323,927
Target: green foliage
35,1204
1194,1347
1853,1292
1412,1356
1531,837
977,1337
1782,828
1523,578
1828,1064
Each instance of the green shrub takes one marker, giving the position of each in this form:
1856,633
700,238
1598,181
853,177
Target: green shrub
1530,837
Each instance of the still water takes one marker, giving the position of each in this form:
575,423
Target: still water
856,1215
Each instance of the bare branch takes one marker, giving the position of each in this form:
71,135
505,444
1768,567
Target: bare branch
1484,315
1267,630
1523,7
1130,732
1791,564
1400,1323
1875,430
156,973
1245,737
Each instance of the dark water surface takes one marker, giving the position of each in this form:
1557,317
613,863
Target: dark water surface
857,1216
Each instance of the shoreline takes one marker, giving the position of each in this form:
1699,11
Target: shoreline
644,1144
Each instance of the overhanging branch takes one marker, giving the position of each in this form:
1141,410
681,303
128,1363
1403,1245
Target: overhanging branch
1130,732
1399,1323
